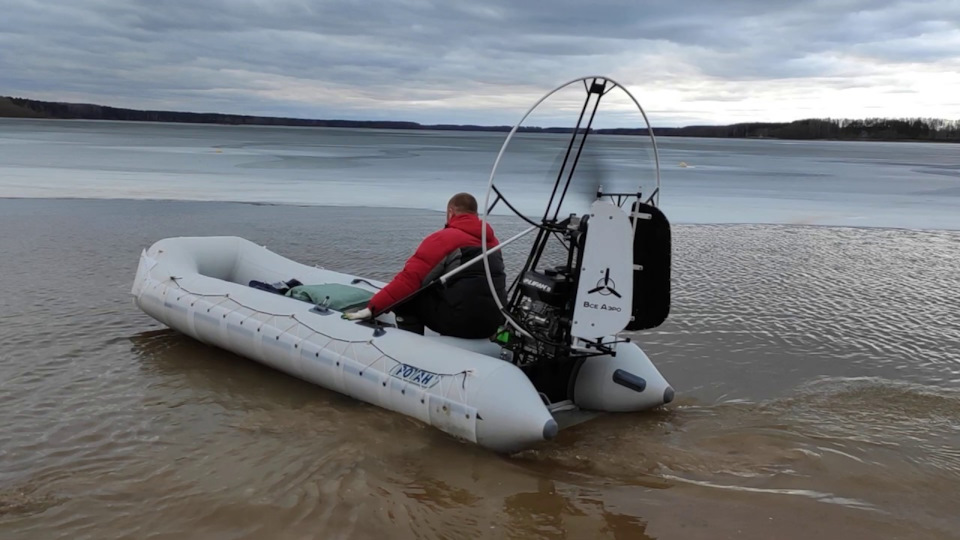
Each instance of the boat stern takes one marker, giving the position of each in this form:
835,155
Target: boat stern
511,415
626,382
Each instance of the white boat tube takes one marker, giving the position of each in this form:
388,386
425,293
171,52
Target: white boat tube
196,286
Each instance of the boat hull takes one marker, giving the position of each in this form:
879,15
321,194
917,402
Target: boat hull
196,286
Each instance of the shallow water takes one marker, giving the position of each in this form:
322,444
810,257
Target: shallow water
816,370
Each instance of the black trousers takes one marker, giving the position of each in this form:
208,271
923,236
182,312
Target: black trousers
474,318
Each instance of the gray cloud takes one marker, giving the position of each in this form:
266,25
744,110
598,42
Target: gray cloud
444,61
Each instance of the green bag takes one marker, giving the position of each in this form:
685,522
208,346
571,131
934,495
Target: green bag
333,295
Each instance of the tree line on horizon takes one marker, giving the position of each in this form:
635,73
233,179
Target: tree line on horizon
877,129
874,129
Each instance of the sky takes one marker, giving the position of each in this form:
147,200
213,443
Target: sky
487,61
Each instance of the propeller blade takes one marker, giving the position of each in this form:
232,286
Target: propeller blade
588,178
596,289
589,175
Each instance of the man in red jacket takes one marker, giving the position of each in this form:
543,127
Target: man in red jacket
464,306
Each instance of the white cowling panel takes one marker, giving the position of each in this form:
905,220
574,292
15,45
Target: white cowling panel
605,290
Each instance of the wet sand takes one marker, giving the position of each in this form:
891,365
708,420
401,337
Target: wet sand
816,371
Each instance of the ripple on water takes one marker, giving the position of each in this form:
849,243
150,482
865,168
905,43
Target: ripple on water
862,443
814,366
25,500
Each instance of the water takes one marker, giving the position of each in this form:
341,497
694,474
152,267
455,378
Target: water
911,185
816,367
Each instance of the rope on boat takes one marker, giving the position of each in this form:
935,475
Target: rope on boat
226,297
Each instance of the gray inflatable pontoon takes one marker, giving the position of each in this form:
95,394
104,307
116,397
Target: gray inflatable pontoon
197,286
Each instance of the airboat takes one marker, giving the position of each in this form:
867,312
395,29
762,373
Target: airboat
566,350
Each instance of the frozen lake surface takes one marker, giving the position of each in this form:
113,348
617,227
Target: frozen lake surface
875,184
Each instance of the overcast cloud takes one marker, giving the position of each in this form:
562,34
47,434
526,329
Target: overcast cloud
486,61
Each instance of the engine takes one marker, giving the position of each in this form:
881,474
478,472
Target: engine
544,311
545,295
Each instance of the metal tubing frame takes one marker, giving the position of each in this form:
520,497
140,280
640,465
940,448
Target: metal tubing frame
654,197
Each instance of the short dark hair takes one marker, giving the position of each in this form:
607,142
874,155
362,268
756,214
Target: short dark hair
463,203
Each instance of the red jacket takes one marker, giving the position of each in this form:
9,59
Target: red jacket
462,231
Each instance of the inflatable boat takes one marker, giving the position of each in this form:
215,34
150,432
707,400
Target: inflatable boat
560,352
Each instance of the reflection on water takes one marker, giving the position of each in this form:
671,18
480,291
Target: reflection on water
816,372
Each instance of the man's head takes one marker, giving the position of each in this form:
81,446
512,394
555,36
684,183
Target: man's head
461,203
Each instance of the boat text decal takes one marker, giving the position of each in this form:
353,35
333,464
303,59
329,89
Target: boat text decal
415,375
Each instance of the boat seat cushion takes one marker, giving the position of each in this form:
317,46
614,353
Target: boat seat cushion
337,296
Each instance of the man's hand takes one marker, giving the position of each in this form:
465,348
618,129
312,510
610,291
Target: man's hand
361,315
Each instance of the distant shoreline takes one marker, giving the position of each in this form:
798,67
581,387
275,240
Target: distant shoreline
411,211
874,129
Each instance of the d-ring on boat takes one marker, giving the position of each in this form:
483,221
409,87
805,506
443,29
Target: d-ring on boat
560,350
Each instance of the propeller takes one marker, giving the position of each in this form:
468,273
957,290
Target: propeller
589,175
